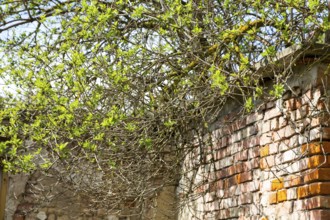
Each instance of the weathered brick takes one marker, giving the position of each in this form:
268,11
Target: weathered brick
251,118
290,155
266,138
317,202
273,148
272,198
230,181
241,156
267,162
284,132
320,174
272,113
277,184
245,198
291,193
319,133
313,189
274,124
281,195
264,151
264,126
238,124
315,148
253,152
306,97
318,161
265,186
302,112
282,121
293,180
319,214
302,191
243,177
251,186
252,130
289,104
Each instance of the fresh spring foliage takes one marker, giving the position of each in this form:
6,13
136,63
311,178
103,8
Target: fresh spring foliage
121,88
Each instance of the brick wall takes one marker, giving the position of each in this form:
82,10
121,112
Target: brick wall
273,163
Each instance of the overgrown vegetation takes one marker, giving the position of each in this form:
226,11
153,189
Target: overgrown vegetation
115,91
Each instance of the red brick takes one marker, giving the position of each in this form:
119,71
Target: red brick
307,97
241,156
302,112
290,104
245,198
319,214
318,202
253,152
253,118
231,181
243,177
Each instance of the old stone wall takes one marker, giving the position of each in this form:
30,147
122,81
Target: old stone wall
271,164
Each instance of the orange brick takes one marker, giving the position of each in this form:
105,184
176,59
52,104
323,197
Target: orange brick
281,195
315,148
263,218
319,189
243,177
277,184
318,161
264,151
302,191
273,198
320,174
